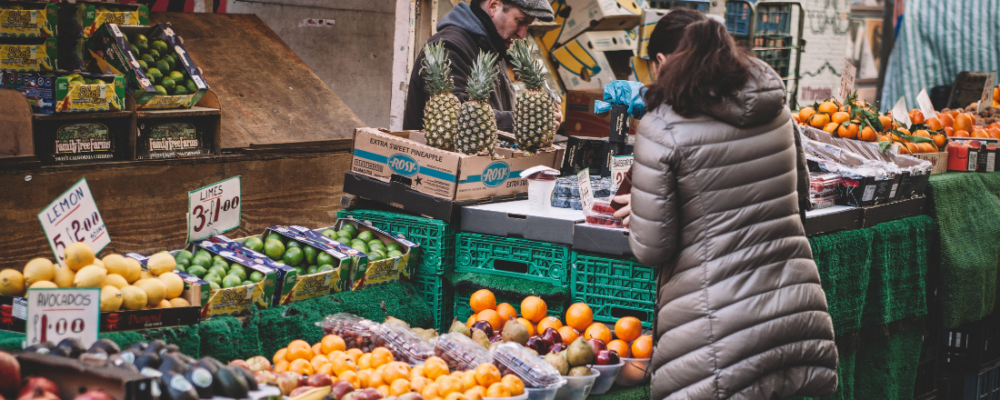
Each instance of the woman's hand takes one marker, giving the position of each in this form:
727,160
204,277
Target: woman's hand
626,210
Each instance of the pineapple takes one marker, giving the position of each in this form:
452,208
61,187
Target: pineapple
534,118
441,111
477,125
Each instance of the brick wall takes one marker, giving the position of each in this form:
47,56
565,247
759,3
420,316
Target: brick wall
825,32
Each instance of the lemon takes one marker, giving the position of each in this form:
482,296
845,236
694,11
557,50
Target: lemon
111,299
98,262
133,298
43,285
155,290
116,264
164,304
11,283
161,263
64,277
78,255
115,280
174,284
144,275
134,270
37,270
90,276
179,302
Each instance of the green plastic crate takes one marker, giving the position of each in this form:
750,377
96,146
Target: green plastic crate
463,311
614,288
518,258
436,237
438,294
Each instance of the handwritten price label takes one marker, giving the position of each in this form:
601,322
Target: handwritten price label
619,168
586,191
214,209
73,217
986,100
57,314
847,80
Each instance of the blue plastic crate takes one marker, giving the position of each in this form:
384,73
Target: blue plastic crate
773,19
518,258
981,386
738,18
700,5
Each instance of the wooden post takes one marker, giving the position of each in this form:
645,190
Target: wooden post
15,125
401,59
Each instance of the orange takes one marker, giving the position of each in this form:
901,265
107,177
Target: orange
430,391
916,117
979,133
399,387
963,122
549,322
926,148
828,107
490,316
934,124
805,113
342,363
953,114
819,120
450,384
419,383
848,132
318,361
506,311
455,396
903,131
513,384
921,133
939,140
840,117
579,316
867,134
469,380
533,309
279,356
568,334
435,367
375,379
350,377
642,347
527,325
995,125
317,348
961,134
831,128
281,366
795,117
946,120
396,370
619,346
331,343
886,122
326,369
298,350
497,390
597,330
995,133
487,374
627,329
365,362
417,371
381,356
355,354
471,321
996,94
481,300
301,366
364,376
912,148
475,393
384,389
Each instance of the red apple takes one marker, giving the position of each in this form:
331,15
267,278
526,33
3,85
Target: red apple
93,394
551,336
37,382
265,377
10,374
287,382
319,380
240,363
608,357
341,389
597,345
258,363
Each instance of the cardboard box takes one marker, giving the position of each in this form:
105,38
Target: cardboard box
642,71
238,300
75,377
108,51
402,157
65,138
177,133
82,19
597,154
29,55
580,117
940,161
389,269
594,59
399,195
306,286
514,219
53,93
29,20
573,17
648,21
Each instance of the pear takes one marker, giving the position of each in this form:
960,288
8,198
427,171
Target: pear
389,318
579,371
480,337
513,331
457,326
558,362
580,353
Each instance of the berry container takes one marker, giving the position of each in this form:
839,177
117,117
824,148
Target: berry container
822,202
603,220
823,183
404,344
357,332
460,352
561,201
512,358
575,203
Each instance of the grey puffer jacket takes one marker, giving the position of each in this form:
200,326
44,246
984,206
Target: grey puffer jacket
740,310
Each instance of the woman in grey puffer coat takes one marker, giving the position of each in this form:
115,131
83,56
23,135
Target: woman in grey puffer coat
741,313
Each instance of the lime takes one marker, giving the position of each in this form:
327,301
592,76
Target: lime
254,243
359,247
324,258
325,267
222,264
160,91
210,277
395,253
140,38
330,233
310,253
246,283
214,285
238,272
181,267
273,248
231,281
160,45
191,87
300,271
372,257
217,270
202,260
367,236
293,256
277,237
142,46
292,243
376,243
203,252
180,91
168,84
312,270
256,276
183,255
343,237
148,59
135,50
216,258
155,54
393,246
154,74
163,66
176,76
350,228
186,262
171,61
197,270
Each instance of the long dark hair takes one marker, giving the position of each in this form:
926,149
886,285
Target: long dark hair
705,64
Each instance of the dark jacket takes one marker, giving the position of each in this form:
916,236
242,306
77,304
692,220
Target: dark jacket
464,35
740,310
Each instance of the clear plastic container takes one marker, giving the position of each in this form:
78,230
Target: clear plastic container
357,332
634,372
512,358
404,344
563,187
577,387
575,203
823,202
523,396
822,183
561,201
460,352
603,220
542,394
608,375
602,206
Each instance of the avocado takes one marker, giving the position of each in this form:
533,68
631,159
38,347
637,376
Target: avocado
107,345
202,380
155,347
147,360
141,346
170,362
206,363
177,387
230,383
247,376
74,347
41,348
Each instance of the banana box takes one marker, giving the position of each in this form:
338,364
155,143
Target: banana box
235,295
82,19
390,264
29,20
642,71
61,92
325,271
649,19
29,55
574,17
594,59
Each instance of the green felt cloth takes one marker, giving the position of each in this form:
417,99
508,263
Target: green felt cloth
623,393
968,214
896,281
844,260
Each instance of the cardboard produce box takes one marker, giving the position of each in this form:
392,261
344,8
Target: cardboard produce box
29,55
573,17
65,138
82,19
403,157
648,21
60,92
388,269
75,377
303,285
28,20
238,300
594,59
109,51
939,159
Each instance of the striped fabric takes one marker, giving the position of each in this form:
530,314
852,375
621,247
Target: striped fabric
937,40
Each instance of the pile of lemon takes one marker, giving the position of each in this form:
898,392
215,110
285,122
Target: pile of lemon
123,282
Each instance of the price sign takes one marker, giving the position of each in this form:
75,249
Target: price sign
926,107
847,80
986,100
899,113
586,191
57,314
213,209
619,167
73,217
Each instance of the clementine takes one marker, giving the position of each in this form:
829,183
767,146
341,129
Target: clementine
963,122
430,392
850,131
331,343
597,330
279,356
533,309
867,134
819,120
949,131
399,387
620,347
506,311
450,384
489,315
916,117
350,377
527,325
343,362
805,113
355,354
456,396
396,370
481,300
487,374
934,124
381,356
471,321
921,133
979,133
831,128
514,384
939,140
994,133
475,393
627,329
301,366
642,347
317,348
886,122
299,350
469,379
828,107
326,369
961,133
435,367
568,334
549,322
419,383
947,120
318,361
497,390
840,117
579,316
281,366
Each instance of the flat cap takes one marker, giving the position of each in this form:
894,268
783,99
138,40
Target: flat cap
536,8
